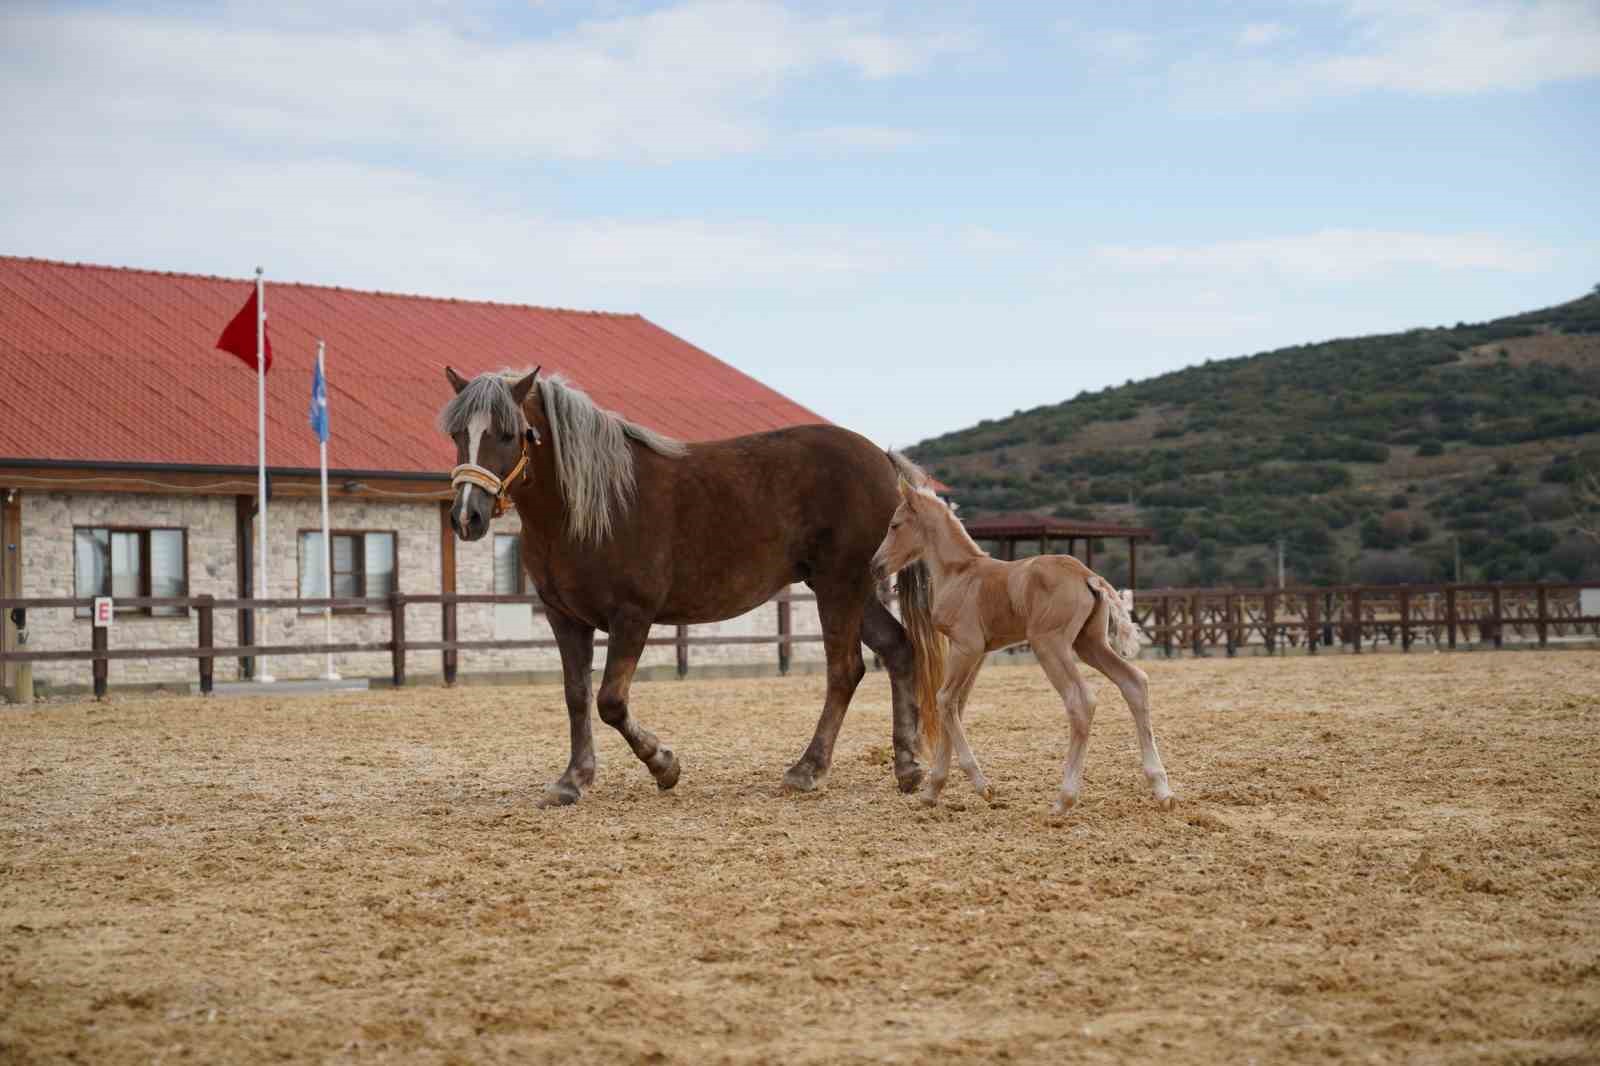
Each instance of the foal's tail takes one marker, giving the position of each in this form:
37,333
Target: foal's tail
1122,632
916,614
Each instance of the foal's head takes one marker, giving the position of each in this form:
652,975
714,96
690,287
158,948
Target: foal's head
492,436
911,529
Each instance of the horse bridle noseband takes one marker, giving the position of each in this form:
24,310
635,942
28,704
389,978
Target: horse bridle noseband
488,481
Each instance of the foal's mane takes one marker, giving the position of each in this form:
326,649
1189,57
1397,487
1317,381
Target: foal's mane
954,529
594,461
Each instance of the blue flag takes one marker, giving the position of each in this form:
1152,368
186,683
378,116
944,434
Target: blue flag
319,403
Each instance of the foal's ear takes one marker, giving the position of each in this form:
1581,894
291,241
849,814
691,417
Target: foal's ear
457,382
520,390
905,490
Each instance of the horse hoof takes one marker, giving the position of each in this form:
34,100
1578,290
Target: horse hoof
668,777
560,794
1062,805
909,779
802,778
928,798
987,793
1167,802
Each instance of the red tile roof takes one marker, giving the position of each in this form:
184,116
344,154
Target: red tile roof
115,365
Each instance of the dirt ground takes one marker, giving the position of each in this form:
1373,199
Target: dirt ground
1379,859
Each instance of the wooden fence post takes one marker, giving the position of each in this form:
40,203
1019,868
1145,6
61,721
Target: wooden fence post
785,627
98,643
1405,619
1194,624
397,637
1450,614
1166,626
1270,635
1230,635
1498,606
1542,620
1312,635
207,663
683,651
452,658
1355,616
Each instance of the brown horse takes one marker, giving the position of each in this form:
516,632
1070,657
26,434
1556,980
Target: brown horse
981,604
623,528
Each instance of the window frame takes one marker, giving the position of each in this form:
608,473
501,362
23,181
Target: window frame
521,581
146,571
360,555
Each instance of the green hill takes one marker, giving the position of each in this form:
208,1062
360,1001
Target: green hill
1371,457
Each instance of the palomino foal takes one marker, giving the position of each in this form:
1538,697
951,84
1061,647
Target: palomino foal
981,604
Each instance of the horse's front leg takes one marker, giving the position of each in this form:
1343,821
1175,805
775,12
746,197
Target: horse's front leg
628,635
576,642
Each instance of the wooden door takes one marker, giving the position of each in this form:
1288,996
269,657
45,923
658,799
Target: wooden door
10,576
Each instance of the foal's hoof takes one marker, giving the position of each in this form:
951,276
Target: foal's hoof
1062,805
802,777
909,778
560,794
1167,802
987,794
667,777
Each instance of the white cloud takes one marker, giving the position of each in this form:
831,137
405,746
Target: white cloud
1261,34
374,227
1334,254
1114,45
1430,47
689,81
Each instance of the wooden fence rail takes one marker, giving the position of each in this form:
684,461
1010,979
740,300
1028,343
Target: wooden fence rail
1230,619
206,651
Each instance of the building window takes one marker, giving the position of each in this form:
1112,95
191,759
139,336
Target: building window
509,577
127,563
363,568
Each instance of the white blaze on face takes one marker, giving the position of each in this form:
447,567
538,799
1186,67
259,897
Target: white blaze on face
477,426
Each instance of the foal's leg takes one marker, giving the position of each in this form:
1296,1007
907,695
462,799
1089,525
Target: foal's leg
577,660
961,666
884,634
958,737
1054,651
629,631
840,609
1135,688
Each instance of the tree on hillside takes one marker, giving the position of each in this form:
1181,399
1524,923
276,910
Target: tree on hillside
1586,495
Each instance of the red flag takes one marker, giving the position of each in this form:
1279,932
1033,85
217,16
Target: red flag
239,336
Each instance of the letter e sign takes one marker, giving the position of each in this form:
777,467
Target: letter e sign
104,612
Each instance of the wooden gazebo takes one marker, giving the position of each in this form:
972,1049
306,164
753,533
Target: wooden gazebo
1056,534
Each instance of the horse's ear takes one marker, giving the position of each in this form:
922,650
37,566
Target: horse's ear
520,390
905,490
457,382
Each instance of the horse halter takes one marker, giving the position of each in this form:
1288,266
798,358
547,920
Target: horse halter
497,487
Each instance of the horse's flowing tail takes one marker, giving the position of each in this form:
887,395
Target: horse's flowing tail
916,614
1122,632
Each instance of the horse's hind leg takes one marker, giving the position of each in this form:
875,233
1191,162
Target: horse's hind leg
628,634
840,609
1135,688
1054,651
884,634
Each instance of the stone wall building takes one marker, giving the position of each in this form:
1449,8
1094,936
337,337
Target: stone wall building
128,464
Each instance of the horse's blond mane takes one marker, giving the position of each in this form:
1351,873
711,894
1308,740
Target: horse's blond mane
594,461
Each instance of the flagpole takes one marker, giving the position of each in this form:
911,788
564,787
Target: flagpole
261,469
327,541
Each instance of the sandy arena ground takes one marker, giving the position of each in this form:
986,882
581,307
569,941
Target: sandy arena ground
1375,859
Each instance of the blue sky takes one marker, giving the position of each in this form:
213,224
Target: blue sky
908,216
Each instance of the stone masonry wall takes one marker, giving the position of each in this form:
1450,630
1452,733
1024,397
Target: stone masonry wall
48,520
